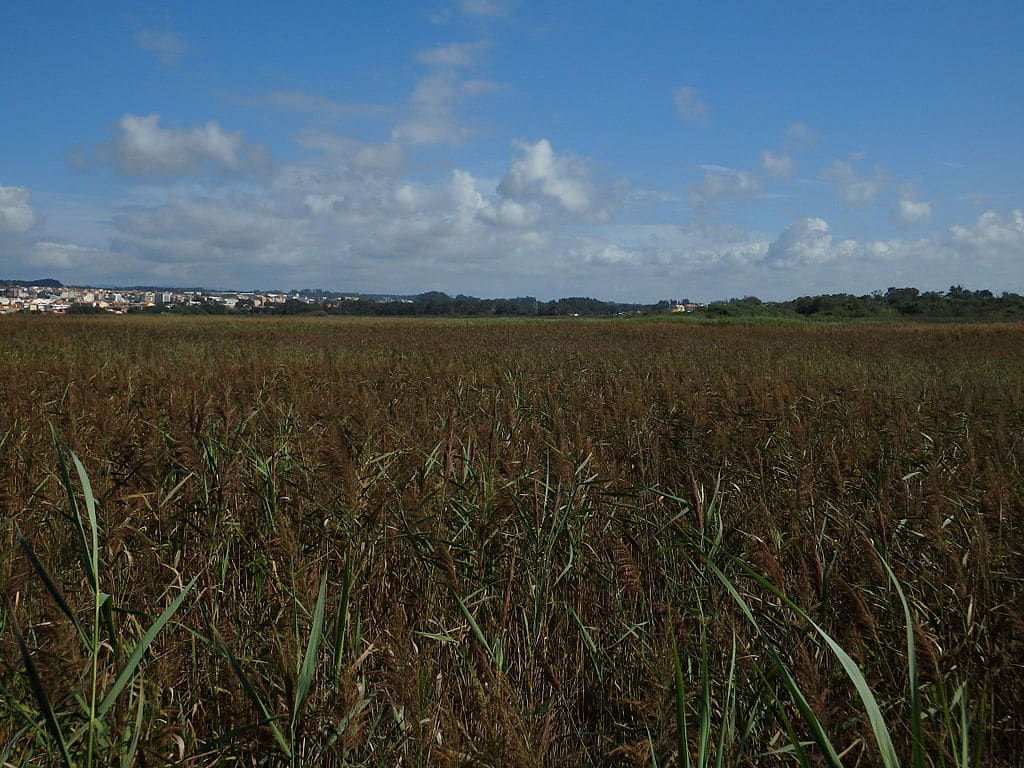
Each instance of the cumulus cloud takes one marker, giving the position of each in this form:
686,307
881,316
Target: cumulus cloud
910,211
72,263
690,105
163,43
326,217
855,190
349,214
465,196
64,256
540,174
414,197
994,243
16,214
338,221
510,213
808,242
724,183
993,234
313,220
607,254
988,251
142,147
239,230
777,166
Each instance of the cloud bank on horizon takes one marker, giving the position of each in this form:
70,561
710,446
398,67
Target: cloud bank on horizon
511,148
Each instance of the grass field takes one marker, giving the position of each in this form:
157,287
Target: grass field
368,542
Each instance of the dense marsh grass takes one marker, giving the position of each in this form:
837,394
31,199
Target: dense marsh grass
511,543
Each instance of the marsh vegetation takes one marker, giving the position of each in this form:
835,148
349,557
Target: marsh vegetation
523,543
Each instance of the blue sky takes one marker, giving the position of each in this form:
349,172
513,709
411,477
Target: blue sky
493,147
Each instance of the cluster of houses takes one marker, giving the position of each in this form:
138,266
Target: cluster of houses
59,301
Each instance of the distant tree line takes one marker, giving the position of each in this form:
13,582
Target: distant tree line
957,302
41,283
911,303
432,304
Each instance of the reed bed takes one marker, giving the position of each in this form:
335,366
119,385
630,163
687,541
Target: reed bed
382,543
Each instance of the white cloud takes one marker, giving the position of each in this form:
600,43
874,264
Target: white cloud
366,216
490,9
64,256
510,213
807,242
312,103
993,234
481,11
388,157
464,191
433,119
466,198
910,211
854,190
989,252
537,230
539,173
607,255
777,166
724,183
200,233
690,105
374,228
166,45
432,116
16,215
479,87
142,147
453,55
414,197
798,137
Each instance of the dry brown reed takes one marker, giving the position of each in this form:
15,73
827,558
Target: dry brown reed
514,509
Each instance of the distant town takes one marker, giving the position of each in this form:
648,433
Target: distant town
50,297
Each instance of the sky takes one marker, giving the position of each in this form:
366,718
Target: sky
628,152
